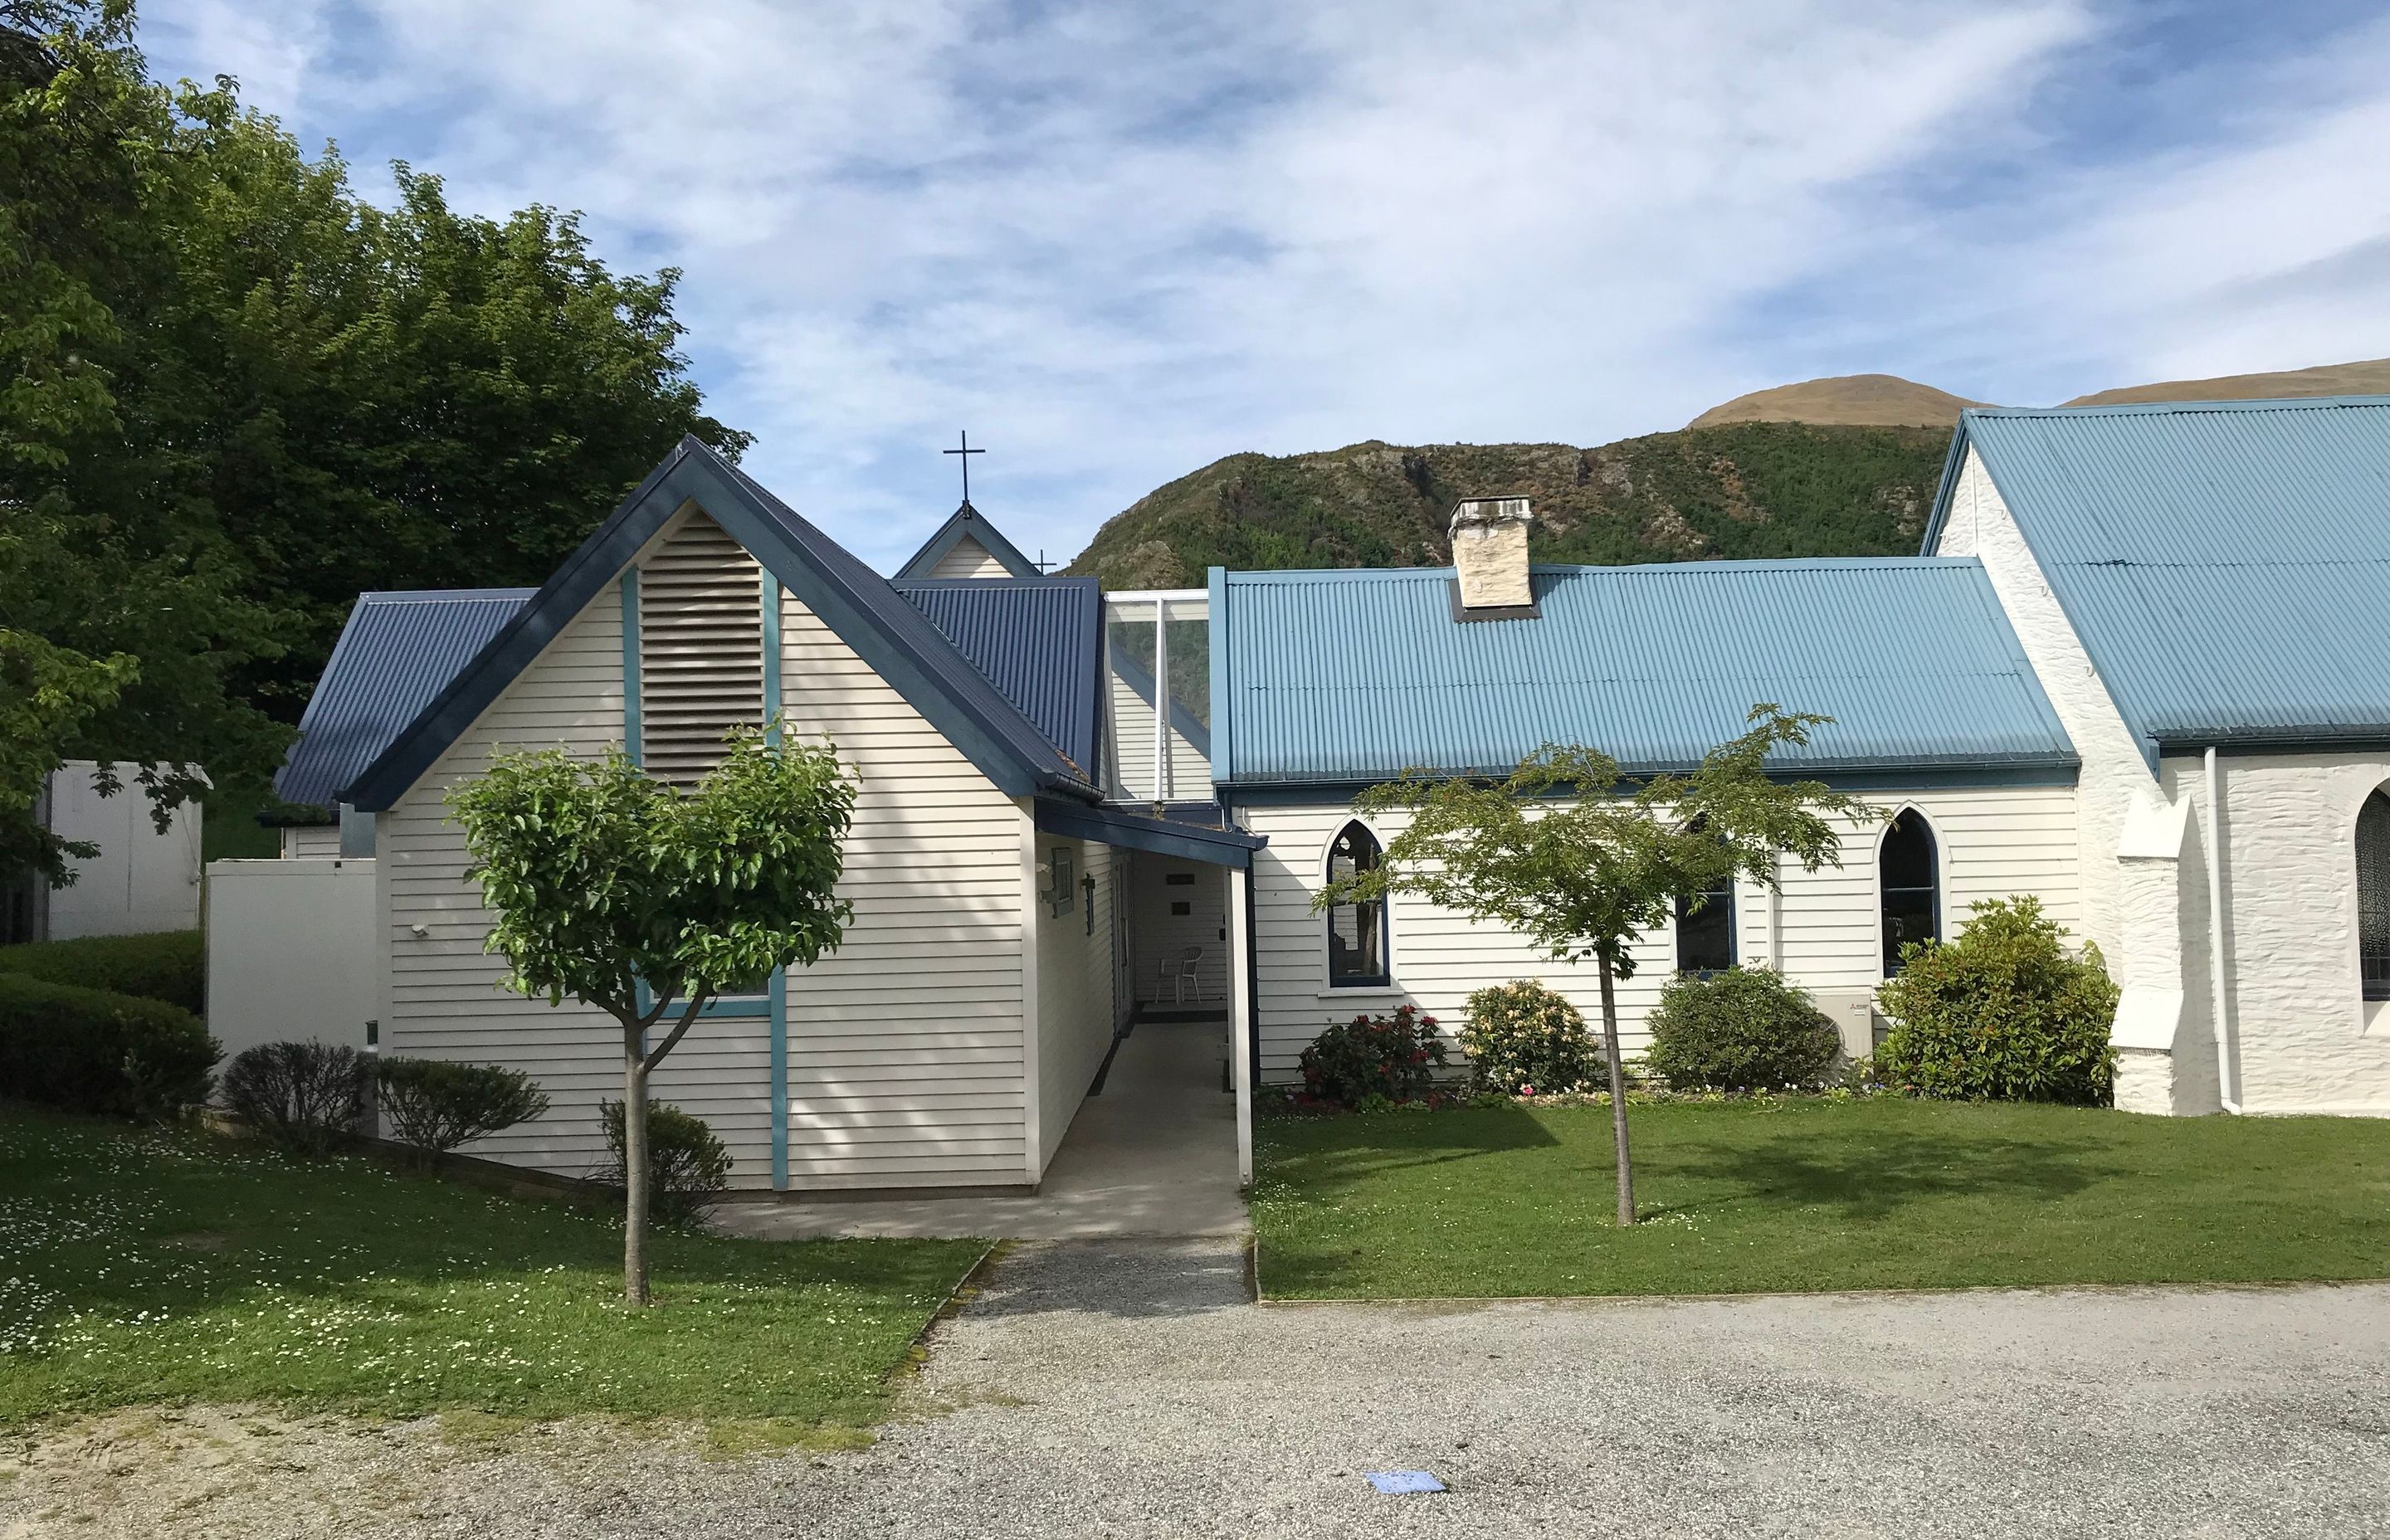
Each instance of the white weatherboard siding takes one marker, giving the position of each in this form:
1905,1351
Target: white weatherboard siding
441,994
969,560
907,1047
2308,1040
1993,843
1161,935
1074,987
309,839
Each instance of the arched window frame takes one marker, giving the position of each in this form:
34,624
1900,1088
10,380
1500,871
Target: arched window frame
1941,881
2373,972
1385,979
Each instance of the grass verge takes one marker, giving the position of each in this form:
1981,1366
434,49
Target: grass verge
142,1265
1797,1195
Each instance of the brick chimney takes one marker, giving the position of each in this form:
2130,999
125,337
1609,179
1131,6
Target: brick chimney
1489,559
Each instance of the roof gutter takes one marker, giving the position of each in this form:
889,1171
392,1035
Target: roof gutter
2219,1010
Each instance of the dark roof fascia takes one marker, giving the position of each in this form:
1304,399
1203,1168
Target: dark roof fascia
2019,771
1953,461
1214,847
2274,740
966,521
694,473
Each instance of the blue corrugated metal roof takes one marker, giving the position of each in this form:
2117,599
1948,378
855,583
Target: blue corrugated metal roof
397,652
856,603
1353,677
2223,562
1038,640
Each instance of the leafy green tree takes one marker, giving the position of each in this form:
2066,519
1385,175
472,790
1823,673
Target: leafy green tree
1556,853
121,623
239,394
619,890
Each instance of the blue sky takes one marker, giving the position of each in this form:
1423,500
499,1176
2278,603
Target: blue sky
1118,242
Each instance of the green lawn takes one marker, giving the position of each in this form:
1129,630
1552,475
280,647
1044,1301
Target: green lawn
1812,1194
140,1266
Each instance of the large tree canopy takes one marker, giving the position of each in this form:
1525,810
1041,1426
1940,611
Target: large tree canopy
238,394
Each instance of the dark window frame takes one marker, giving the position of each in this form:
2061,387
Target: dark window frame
1373,915
1717,908
1907,823
2371,840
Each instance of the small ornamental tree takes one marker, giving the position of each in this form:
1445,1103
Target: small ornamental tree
1564,855
626,893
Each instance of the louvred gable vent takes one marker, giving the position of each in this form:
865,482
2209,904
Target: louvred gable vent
701,649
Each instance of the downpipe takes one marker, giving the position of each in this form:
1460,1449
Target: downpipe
2219,1003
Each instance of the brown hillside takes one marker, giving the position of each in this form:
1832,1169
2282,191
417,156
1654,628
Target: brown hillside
1846,401
2366,378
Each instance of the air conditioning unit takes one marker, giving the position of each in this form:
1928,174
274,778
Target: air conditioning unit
1853,1015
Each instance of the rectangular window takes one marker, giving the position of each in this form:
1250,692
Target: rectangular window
1705,936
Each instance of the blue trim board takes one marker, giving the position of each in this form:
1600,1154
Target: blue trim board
779,1002
967,521
1220,753
888,632
1213,847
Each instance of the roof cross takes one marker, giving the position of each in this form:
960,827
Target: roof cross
966,452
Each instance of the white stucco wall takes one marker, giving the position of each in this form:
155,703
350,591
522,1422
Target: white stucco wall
2304,1038
2114,772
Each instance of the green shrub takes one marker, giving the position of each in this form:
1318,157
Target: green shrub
2004,1013
436,1106
87,1050
1523,1037
1394,1057
1742,1028
686,1165
304,1097
164,965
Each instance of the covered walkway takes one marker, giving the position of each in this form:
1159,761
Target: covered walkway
1153,1154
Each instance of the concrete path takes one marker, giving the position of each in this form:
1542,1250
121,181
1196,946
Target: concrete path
1154,1154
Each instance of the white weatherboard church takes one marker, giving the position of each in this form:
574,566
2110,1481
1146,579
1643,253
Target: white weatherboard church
2138,670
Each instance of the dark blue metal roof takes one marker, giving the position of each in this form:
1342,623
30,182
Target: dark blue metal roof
1346,677
1038,640
966,522
856,603
2224,563
397,652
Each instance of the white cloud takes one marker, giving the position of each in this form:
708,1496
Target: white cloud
1117,242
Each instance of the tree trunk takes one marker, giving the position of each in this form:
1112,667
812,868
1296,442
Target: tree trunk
1617,1092
635,1173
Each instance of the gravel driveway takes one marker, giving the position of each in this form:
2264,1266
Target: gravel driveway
1127,1389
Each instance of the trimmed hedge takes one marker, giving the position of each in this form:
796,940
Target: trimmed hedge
88,1050
162,965
1740,1029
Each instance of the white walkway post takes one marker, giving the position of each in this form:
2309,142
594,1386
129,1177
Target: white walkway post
1241,1020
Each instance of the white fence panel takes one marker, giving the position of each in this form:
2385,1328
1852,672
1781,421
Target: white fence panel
290,952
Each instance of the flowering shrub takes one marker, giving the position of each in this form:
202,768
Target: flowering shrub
1523,1038
1740,1029
2004,1013
1394,1057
